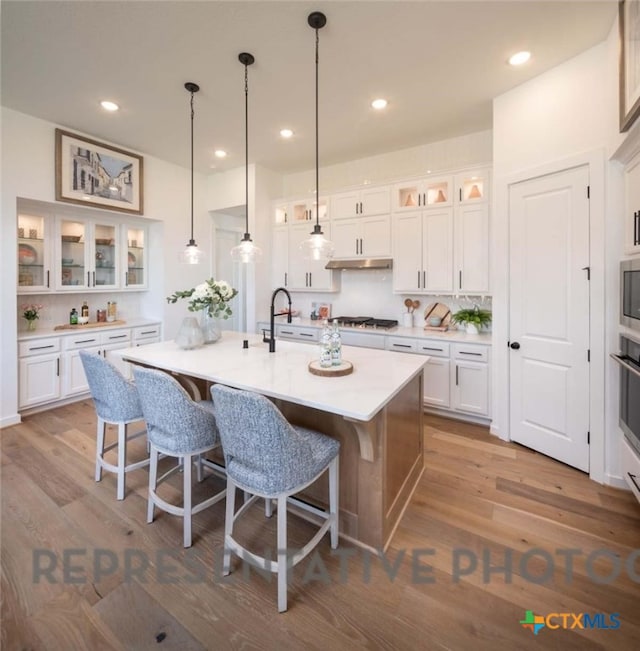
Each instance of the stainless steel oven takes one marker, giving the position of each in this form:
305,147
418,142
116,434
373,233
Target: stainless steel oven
630,294
629,360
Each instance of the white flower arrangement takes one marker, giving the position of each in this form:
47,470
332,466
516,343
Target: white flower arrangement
211,295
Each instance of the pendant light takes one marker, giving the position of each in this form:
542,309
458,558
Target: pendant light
317,247
246,251
192,254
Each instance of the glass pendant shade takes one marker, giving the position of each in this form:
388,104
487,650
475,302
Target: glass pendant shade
246,252
191,254
317,247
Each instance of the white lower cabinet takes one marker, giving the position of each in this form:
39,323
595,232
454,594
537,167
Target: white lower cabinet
50,369
39,371
470,379
437,383
297,333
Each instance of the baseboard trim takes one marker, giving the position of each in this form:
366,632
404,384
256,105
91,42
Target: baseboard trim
8,421
456,415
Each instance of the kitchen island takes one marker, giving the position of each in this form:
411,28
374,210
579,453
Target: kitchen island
375,413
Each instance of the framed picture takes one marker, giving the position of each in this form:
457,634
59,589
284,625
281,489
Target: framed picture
320,311
92,173
629,19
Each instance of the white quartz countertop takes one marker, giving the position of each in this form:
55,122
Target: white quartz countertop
417,332
377,377
40,332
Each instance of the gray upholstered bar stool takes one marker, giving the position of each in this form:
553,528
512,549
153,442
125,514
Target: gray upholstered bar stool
176,427
269,458
116,401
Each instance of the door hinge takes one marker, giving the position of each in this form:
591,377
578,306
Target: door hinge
589,355
588,438
588,192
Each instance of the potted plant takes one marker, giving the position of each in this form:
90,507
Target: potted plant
472,319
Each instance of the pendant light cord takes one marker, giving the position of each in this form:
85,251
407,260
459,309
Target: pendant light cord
191,242
317,138
246,151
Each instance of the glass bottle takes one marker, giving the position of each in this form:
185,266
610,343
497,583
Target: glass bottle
85,309
73,317
325,346
336,345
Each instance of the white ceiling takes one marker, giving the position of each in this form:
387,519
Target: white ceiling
438,63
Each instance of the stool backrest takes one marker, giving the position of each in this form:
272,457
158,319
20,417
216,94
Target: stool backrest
116,399
174,421
256,437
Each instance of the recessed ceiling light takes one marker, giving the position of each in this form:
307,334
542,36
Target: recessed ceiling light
519,58
109,106
286,133
220,153
379,103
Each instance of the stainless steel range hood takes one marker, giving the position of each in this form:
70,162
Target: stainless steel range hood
361,263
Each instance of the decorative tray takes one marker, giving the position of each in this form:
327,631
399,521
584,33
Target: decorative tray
334,371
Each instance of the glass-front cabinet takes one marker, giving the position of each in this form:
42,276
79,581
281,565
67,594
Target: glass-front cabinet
432,192
34,259
135,275
60,250
88,255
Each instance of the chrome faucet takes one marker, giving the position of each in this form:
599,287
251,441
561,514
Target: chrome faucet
272,335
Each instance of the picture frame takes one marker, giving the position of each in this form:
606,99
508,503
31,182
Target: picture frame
629,23
320,311
92,173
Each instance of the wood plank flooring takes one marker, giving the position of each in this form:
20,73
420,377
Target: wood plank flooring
488,536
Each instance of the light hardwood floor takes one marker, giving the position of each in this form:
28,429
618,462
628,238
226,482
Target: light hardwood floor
116,582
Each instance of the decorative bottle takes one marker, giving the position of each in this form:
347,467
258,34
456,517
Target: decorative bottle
325,346
336,345
85,309
73,317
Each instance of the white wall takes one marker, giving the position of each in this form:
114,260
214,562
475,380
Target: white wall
28,170
566,115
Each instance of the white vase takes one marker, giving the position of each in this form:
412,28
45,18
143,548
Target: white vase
190,334
472,329
210,325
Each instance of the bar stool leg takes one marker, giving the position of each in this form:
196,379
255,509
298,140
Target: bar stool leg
268,507
153,478
100,447
333,501
187,499
282,554
228,525
122,458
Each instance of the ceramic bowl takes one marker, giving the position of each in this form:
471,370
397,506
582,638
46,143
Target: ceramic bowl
435,321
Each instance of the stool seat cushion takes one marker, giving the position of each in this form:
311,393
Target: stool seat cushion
263,451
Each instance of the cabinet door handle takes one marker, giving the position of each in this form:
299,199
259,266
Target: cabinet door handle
357,213
58,367
361,250
401,345
149,332
419,199
118,337
41,347
85,341
460,279
47,278
418,278
463,352
361,211
428,348
460,193
94,278
285,278
424,279
88,279
424,199
636,228
456,375
126,279
356,246
306,334
310,280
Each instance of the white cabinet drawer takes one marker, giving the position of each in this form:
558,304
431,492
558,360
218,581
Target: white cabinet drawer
296,333
402,345
471,353
82,340
630,467
146,332
39,346
115,336
362,339
433,348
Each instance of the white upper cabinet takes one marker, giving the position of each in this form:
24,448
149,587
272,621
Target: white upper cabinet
423,251
361,203
305,211
431,192
64,251
303,274
472,186
632,206
280,257
472,249
365,237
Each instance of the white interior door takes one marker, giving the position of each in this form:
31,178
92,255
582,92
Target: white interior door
225,269
549,315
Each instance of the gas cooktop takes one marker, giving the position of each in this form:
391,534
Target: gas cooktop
366,322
